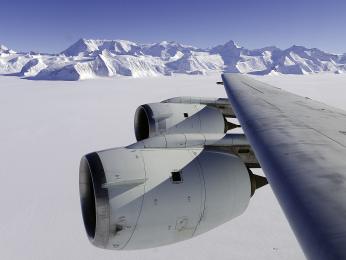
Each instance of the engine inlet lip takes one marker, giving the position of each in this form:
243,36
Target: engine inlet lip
144,123
94,200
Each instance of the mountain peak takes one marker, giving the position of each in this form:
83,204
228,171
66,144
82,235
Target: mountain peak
232,44
168,43
227,48
3,48
81,47
92,47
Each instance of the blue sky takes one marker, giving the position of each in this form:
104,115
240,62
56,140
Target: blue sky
51,26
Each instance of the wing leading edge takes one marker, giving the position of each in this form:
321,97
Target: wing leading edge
301,146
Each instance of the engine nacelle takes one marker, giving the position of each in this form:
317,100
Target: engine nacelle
220,103
174,118
142,198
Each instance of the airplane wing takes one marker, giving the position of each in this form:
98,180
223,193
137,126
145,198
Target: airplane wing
301,147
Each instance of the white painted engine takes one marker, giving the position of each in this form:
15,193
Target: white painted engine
174,118
221,104
142,198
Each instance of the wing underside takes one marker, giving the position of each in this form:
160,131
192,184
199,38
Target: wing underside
301,146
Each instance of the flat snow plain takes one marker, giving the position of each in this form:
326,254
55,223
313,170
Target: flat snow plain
47,126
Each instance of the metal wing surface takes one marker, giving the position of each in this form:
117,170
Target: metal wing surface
301,146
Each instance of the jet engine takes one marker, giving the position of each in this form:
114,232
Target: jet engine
142,198
173,118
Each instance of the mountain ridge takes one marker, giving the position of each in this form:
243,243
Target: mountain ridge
90,58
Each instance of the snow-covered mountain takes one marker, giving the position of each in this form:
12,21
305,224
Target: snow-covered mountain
89,58
4,50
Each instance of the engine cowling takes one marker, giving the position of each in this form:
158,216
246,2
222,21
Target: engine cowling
221,104
173,118
142,198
